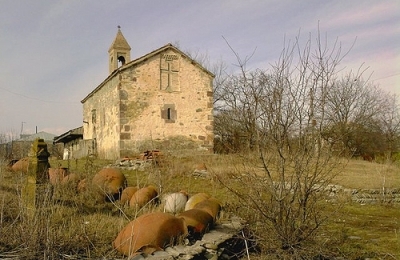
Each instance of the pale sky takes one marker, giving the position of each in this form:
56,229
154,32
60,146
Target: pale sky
53,53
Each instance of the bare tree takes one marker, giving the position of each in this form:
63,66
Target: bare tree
352,109
389,121
237,106
286,110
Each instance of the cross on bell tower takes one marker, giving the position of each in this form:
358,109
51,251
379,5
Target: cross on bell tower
119,52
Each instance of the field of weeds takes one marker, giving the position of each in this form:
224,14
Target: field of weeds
78,227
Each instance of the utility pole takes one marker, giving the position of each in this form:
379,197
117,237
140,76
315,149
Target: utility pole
22,127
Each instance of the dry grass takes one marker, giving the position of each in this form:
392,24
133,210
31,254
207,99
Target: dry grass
359,174
81,228
364,231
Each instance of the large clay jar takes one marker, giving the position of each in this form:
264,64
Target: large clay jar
196,198
212,206
149,233
71,179
82,185
143,196
175,202
56,175
21,165
110,182
127,194
197,222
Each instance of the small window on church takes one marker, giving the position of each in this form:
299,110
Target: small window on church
168,113
94,116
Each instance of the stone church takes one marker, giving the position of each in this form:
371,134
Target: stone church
160,95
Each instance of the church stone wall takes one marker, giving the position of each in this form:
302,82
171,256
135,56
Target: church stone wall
100,120
161,96
167,95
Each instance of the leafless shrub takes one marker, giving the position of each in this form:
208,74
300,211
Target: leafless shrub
282,115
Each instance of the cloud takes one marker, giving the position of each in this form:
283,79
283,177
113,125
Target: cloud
361,14
55,52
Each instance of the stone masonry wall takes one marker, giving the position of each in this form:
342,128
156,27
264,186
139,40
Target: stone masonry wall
145,100
100,119
162,96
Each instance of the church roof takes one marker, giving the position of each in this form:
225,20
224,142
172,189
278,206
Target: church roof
142,59
120,42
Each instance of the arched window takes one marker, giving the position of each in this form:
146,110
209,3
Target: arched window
169,113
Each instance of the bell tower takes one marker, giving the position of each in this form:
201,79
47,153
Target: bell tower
119,52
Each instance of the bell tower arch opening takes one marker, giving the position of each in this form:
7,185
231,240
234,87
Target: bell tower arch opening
119,52
121,61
